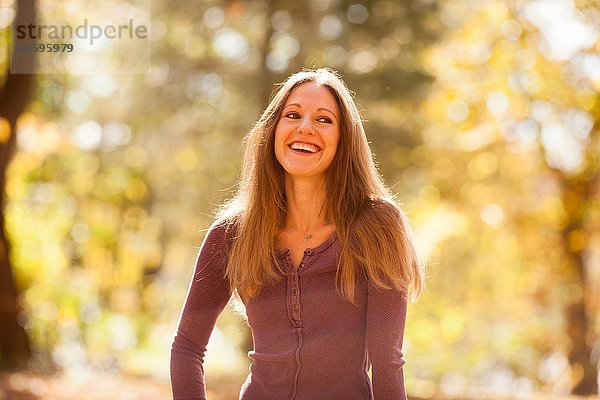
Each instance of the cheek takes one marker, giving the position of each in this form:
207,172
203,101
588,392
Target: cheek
335,140
278,137
279,131
279,141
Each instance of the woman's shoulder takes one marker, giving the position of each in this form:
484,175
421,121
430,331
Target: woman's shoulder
384,214
384,206
379,201
218,236
223,229
380,214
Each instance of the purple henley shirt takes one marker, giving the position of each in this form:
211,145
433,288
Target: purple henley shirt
309,342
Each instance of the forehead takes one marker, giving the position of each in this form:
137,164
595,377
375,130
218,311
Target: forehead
310,94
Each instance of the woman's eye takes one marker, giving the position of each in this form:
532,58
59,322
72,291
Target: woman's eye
292,115
325,120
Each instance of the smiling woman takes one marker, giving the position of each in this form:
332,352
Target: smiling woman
308,127
317,250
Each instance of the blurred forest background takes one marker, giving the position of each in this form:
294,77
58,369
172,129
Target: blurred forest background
483,116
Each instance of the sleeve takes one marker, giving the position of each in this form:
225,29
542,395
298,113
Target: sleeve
207,296
386,317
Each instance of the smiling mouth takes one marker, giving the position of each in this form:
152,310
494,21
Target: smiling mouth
304,148
301,151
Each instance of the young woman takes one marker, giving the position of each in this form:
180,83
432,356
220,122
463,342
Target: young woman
317,250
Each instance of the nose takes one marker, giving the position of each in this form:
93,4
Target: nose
306,126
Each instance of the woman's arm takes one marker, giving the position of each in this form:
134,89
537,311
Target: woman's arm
207,296
386,317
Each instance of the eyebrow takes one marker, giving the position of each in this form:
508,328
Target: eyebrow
318,109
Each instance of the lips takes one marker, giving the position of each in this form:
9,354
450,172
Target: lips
306,146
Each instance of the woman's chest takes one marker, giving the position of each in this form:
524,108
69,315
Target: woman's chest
298,246
296,255
307,297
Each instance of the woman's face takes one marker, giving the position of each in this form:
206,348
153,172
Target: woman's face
308,131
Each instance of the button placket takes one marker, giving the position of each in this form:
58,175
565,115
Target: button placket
295,300
295,291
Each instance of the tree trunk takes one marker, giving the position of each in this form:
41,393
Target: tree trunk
576,199
14,97
575,196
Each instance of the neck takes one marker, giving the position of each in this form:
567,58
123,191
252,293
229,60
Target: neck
305,204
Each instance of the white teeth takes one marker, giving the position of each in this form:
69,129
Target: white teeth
305,146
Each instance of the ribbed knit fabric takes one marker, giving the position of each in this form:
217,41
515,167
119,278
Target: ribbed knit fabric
309,342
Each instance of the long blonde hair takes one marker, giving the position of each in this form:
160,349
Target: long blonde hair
376,237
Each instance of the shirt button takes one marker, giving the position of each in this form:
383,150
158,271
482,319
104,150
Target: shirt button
296,307
308,252
301,264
